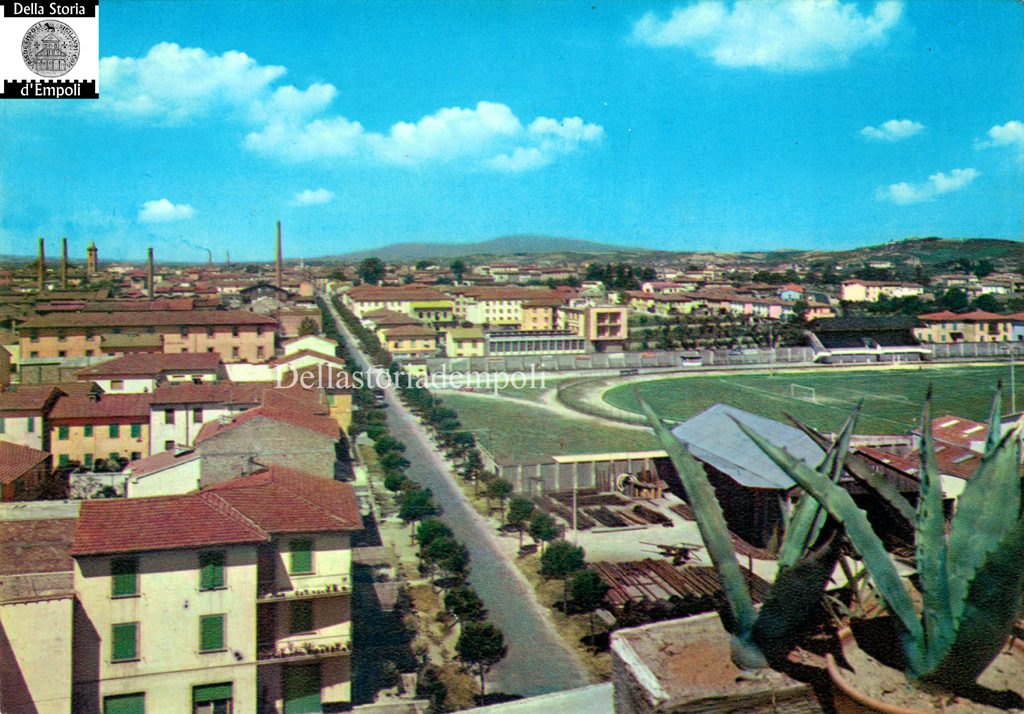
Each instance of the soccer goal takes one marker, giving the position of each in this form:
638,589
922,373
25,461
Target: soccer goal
798,391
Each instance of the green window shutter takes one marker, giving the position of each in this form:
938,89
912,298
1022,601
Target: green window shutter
211,693
62,433
125,642
114,431
88,461
125,704
3,426
211,633
136,431
301,616
30,425
211,571
63,460
124,577
301,555
88,430
302,689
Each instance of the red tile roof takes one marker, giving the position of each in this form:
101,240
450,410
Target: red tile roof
245,510
285,359
147,318
238,393
26,398
959,431
127,406
973,316
152,364
409,331
16,459
283,500
304,420
161,523
375,293
943,316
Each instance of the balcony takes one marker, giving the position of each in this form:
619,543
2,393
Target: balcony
302,649
270,592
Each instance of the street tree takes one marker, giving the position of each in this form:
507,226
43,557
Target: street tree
543,528
587,590
465,605
519,512
371,270
499,489
308,326
481,646
417,505
560,561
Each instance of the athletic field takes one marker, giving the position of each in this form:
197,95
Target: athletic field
892,398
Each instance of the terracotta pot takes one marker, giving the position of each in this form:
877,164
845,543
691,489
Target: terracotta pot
849,700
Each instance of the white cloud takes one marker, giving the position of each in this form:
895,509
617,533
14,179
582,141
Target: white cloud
892,130
313,197
174,85
776,35
936,185
162,211
1009,134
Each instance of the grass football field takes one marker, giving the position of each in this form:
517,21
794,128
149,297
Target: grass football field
892,398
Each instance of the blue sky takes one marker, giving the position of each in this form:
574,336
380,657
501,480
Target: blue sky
688,126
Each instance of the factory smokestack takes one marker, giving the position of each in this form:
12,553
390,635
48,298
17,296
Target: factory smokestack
149,274
64,263
41,268
278,267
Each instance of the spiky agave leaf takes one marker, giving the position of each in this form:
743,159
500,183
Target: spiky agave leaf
715,534
876,482
991,609
987,509
808,517
930,546
840,506
794,596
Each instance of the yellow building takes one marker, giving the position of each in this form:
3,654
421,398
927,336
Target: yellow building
235,598
465,342
410,341
99,426
872,290
601,324
976,326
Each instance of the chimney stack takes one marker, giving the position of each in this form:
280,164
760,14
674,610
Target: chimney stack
280,281
41,268
64,264
149,274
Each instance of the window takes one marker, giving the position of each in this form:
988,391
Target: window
136,431
212,699
117,384
211,570
113,456
88,353
125,704
87,461
169,444
33,354
197,416
168,416
234,332
62,353
63,460
234,352
211,633
30,425
124,642
3,425
260,351
301,687
300,616
124,577
87,430
114,431
301,556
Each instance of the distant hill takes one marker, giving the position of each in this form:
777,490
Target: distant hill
930,251
503,246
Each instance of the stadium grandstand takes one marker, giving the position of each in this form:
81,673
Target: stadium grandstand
866,339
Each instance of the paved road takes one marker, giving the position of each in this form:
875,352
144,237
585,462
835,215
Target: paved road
537,661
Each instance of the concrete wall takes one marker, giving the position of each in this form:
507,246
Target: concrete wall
181,478
35,656
185,427
230,454
16,431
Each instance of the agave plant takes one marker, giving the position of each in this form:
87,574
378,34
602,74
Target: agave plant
971,579
803,569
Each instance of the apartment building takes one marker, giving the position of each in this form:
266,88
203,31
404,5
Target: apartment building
410,341
178,411
236,335
240,602
495,305
84,428
465,342
144,372
23,413
603,325
976,326
405,299
857,290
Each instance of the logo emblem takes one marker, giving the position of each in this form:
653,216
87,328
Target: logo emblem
50,48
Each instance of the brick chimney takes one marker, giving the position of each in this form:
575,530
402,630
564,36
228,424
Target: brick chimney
41,268
149,274
278,266
64,264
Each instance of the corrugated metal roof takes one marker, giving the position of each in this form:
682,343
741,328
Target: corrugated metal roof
713,437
